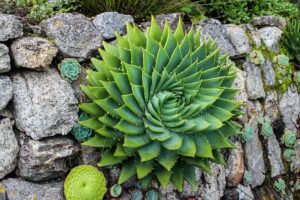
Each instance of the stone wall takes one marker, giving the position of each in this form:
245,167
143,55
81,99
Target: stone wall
38,109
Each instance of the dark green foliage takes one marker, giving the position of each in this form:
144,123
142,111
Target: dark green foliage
140,10
291,38
162,104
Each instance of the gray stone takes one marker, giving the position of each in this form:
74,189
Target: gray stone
270,37
88,155
295,165
271,105
10,27
239,193
254,108
214,185
268,72
253,34
45,159
269,21
33,53
44,104
8,148
6,91
289,107
239,39
18,189
254,156
254,83
73,34
172,19
235,165
274,155
110,22
214,29
4,59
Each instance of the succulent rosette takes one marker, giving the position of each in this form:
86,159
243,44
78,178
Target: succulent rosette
161,104
69,69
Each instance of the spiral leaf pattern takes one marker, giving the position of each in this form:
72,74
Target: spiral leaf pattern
162,104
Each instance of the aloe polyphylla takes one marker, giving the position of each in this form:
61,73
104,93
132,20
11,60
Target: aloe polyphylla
162,104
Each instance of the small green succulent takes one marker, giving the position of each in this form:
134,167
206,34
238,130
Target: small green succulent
297,185
282,60
85,182
136,194
69,69
288,138
256,57
116,190
288,154
247,178
248,133
162,104
280,185
82,133
152,195
291,38
266,127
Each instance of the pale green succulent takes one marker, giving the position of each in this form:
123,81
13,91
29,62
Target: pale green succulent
280,185
282,60
82,133
288,138
116,190
266,127
248,133
162,104
85,182
247,178
256,57
288,154
69,69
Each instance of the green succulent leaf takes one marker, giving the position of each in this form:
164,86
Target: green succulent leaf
162,103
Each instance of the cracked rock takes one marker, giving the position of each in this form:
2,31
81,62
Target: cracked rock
270,37
6,91
10,27
4,59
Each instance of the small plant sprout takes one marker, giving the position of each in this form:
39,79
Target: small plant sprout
256,57
288,154
280,185
266,128
69,69
247,133
247,178
82,133
152,195
282,60
288,138
116,190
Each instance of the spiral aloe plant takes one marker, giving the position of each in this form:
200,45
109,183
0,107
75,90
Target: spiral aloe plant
162,104
291,38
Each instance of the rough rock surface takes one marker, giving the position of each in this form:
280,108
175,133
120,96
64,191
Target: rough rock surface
33,53
172,18
235,165
18,189
110,22
253,34
73,34
269,21
295,165
88,155
45,159
268,73
254,83
8,148
270,37
274,155
214,185
254,156
6,91
10,27
289,107
271,105
214,29
2,192
238,38
239,193
4,59
44,104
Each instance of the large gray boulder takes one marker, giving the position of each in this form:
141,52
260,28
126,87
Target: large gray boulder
8,148
6,91
73,34
214,29
18,189
10,27
45,159
270,37
33,53
4,59
110,22
263,21
44,104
